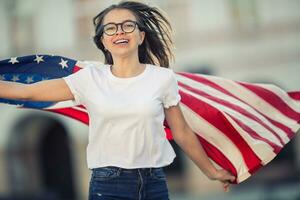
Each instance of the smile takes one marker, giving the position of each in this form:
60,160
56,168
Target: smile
121,41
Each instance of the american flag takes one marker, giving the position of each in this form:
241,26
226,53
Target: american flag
242,126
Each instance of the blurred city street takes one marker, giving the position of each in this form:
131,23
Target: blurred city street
255,41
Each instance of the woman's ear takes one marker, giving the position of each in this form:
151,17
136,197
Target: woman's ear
102,41
142,37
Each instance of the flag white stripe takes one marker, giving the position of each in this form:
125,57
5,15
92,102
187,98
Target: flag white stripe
63,104
80,109
66,104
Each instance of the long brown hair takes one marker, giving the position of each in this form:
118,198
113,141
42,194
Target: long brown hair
157,46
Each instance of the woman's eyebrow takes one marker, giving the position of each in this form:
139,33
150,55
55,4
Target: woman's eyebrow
120,22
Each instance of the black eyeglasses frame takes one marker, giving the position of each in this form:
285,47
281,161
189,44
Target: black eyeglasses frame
121,25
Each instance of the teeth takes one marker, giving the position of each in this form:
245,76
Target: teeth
121,41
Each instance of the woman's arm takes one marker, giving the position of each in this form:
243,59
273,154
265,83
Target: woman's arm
48,90
189,143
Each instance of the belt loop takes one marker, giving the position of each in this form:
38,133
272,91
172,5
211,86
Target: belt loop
150,171
119,171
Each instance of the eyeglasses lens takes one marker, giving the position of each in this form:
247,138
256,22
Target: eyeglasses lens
127,27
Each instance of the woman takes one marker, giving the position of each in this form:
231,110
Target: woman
127,100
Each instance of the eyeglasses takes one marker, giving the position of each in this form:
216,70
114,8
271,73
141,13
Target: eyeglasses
127,26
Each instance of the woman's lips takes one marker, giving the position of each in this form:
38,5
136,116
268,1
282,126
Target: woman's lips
121,41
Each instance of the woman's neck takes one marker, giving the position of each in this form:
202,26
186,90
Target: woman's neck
127,67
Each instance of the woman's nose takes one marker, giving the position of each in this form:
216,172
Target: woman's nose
119,29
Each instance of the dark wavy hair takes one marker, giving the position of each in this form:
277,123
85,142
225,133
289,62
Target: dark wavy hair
157,46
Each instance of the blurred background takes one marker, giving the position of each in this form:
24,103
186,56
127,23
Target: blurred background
42,155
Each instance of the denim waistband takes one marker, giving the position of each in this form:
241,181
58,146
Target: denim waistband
134,170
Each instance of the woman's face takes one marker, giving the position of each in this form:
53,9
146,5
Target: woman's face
122,44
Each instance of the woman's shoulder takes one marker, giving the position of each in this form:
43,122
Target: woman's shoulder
162,75
91,65
163,71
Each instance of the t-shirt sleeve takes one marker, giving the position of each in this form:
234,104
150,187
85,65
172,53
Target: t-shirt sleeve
171,93
78,84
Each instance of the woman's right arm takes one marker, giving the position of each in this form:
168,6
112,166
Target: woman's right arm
48,90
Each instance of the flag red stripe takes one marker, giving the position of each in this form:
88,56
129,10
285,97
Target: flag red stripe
169,135
236,108
273,100
73,113
81,106
76,68
216,118
295,95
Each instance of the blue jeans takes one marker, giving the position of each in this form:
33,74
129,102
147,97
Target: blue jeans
114,183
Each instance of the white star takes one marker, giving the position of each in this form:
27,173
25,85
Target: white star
63,63
13,60
39,59
2,77
19,105
29,79
15,78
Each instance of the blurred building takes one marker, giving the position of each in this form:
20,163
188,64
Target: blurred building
43,155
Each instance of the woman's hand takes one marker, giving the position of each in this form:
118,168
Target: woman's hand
224,177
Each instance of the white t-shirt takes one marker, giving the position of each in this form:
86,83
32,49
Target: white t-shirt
126,115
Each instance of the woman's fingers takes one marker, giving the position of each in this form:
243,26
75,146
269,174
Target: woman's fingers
226,176
231,178
226,186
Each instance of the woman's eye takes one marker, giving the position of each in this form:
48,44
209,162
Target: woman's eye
129,25
110,28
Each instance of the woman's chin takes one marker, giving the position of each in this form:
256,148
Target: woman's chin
123,53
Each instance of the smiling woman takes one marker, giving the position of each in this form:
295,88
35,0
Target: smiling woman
136,42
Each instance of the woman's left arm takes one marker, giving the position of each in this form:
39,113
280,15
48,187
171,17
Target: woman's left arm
189,143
